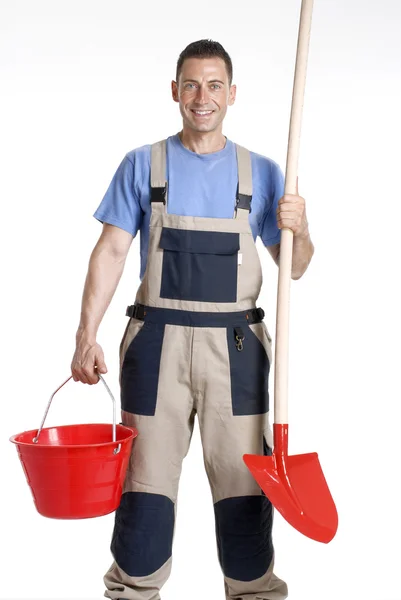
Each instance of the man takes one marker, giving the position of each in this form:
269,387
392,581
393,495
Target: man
195,342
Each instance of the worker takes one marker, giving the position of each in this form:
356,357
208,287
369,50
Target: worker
195,342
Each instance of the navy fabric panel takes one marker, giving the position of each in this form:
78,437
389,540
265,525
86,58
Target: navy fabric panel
202,277
199,265
267,451
201,242
143,533
140,370
249,373
244,536
173,316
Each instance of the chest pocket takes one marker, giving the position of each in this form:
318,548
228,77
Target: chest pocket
199,265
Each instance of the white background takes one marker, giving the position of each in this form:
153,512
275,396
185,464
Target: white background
85,82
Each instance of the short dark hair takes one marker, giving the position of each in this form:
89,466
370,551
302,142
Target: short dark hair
205,49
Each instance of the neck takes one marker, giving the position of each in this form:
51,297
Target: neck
202,143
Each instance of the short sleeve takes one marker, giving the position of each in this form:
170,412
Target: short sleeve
120,205
269,230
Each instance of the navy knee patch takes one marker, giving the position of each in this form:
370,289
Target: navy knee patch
143,533
244,536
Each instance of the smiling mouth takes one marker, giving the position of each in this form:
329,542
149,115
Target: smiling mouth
202,113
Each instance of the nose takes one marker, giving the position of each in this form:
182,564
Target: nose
202,96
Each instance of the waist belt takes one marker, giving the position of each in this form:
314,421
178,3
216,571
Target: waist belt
173,316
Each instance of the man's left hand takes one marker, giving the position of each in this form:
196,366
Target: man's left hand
291,214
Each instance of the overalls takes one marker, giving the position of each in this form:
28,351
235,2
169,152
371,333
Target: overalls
195,344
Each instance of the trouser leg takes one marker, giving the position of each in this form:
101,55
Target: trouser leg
156,399
233,418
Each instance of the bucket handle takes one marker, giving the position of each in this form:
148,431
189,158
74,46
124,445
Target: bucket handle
116,450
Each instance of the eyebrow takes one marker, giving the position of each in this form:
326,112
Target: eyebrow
211,81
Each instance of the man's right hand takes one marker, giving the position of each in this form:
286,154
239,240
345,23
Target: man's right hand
88,358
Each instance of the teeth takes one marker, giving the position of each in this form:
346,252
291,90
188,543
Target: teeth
203,112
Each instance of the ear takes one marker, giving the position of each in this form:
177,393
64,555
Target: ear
232,95
174,91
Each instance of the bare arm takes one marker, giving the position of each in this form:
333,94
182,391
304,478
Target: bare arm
274,252
291,213
106,265
302,252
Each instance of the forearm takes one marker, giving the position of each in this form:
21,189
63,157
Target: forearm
104,273
302,252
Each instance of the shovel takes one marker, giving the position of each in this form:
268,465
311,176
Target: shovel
295,485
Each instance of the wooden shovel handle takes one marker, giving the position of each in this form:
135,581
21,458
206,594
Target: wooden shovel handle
284,275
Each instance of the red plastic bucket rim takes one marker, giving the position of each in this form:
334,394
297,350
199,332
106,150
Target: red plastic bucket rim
132,430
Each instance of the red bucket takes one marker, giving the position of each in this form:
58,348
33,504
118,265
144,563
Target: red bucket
76,471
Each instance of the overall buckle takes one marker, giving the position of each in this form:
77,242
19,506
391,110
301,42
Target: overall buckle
256,315
137,311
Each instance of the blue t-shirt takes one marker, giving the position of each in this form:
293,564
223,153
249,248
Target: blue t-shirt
199,185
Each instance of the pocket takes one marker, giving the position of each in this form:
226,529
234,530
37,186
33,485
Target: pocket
132,329
249,372
140,370
269,337
268,341
120,350
199,265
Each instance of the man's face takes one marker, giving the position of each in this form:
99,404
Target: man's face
204,93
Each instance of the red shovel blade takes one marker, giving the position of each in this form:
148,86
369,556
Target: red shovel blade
297,488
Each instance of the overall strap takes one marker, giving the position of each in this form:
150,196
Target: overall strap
158,166
158,181
244,188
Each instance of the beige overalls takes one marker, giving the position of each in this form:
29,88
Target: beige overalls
195,344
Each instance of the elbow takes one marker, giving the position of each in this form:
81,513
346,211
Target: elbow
300,269
295,275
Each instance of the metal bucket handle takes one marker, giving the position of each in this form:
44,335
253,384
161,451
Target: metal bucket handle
116,450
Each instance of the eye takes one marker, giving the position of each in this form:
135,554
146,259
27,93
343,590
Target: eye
188,84
216,85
